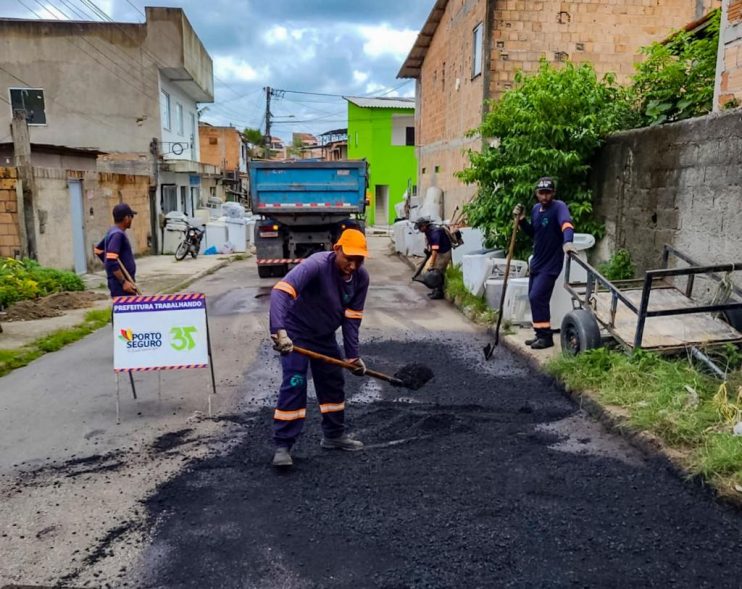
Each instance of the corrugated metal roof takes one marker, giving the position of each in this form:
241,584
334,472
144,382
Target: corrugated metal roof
371,102
413,63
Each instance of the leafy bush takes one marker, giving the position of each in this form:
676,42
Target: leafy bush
551,124
676,80
27,279
619,267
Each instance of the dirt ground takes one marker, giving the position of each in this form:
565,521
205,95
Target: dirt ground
51,306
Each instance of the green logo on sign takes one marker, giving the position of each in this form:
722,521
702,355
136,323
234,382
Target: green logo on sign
181,338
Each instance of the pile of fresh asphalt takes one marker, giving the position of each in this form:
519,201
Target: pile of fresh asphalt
457,488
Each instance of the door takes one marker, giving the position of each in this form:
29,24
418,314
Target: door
78,227
381,209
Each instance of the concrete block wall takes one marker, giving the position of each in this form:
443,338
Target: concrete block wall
10,238
729,84
679,184
607,34
450,102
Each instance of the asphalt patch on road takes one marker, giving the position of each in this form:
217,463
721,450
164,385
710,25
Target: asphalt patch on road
458,487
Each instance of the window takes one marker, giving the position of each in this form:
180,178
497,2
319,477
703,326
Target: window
410,136
165,110
169,198
476,62
179,118
30,100
401,125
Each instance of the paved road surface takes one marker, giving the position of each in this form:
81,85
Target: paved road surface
487,477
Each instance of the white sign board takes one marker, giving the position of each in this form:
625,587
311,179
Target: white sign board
161,332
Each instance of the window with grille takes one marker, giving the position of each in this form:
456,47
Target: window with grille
31,101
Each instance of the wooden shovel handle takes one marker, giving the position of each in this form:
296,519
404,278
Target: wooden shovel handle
343,364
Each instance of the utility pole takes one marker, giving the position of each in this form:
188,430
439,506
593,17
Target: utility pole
22,152
154,225
268,93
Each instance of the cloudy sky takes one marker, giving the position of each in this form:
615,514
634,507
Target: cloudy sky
343,47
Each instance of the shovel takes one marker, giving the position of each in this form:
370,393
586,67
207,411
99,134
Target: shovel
411,376
489,349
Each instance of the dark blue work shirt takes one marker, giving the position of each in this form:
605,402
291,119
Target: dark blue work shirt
115,249
314,299
551,227
438,239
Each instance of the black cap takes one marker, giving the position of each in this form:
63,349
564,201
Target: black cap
122,210
422,221
545,183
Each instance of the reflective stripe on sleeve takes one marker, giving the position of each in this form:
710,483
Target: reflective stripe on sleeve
287,288
112,256
351,314
567,225
331,407
289,415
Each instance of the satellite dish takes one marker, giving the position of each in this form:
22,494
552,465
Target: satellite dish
177,148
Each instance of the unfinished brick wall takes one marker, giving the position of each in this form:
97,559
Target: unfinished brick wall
730,83
10,238
220,146
606,33
133,190
450,102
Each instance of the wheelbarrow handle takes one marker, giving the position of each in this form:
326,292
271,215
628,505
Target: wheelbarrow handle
347,365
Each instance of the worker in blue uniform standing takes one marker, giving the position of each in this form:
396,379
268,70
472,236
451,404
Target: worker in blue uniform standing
553,232
325,292
439,244
115,251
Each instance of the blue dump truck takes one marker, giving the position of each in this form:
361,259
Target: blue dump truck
302,208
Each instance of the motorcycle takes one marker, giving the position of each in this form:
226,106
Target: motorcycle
191,243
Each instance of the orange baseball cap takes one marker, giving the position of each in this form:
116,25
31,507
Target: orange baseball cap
353,243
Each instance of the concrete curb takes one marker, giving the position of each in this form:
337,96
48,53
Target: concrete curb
198,276
651,446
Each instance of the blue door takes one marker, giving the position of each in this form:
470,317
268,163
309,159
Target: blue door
78,227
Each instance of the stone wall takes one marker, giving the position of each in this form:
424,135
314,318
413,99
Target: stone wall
10,239
679,184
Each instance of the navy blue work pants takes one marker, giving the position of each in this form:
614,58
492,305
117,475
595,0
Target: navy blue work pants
540,287
288,419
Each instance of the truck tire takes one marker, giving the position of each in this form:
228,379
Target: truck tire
265,271
580,332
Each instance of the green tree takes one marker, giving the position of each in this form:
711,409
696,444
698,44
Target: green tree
253,136
550,124
676,79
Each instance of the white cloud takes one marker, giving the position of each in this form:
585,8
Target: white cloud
383,40
360,77
231,68
276,34
373,87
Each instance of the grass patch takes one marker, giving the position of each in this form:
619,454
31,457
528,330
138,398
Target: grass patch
475,308
686,409
12,359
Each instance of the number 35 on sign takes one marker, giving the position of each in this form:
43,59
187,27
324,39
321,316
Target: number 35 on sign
161,332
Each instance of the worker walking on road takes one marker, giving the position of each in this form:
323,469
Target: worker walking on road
115,251
439,244
325,292
552,231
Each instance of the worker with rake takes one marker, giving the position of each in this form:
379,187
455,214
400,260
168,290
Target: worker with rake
552,231
325,292
115,251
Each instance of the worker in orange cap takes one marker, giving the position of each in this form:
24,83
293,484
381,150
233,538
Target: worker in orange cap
326,291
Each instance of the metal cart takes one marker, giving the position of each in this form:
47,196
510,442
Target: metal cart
651,313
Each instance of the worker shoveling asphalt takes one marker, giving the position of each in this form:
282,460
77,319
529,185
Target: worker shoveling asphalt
325,292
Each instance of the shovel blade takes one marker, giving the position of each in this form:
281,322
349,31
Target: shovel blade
413,376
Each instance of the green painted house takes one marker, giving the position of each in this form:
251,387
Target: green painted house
382,131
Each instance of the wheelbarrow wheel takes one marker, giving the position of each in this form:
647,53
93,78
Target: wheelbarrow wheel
580,332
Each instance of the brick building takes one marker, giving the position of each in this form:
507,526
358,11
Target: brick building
729,64
226,150
469,50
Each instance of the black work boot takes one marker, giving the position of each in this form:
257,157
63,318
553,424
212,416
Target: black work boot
531,341
543,342
436,294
